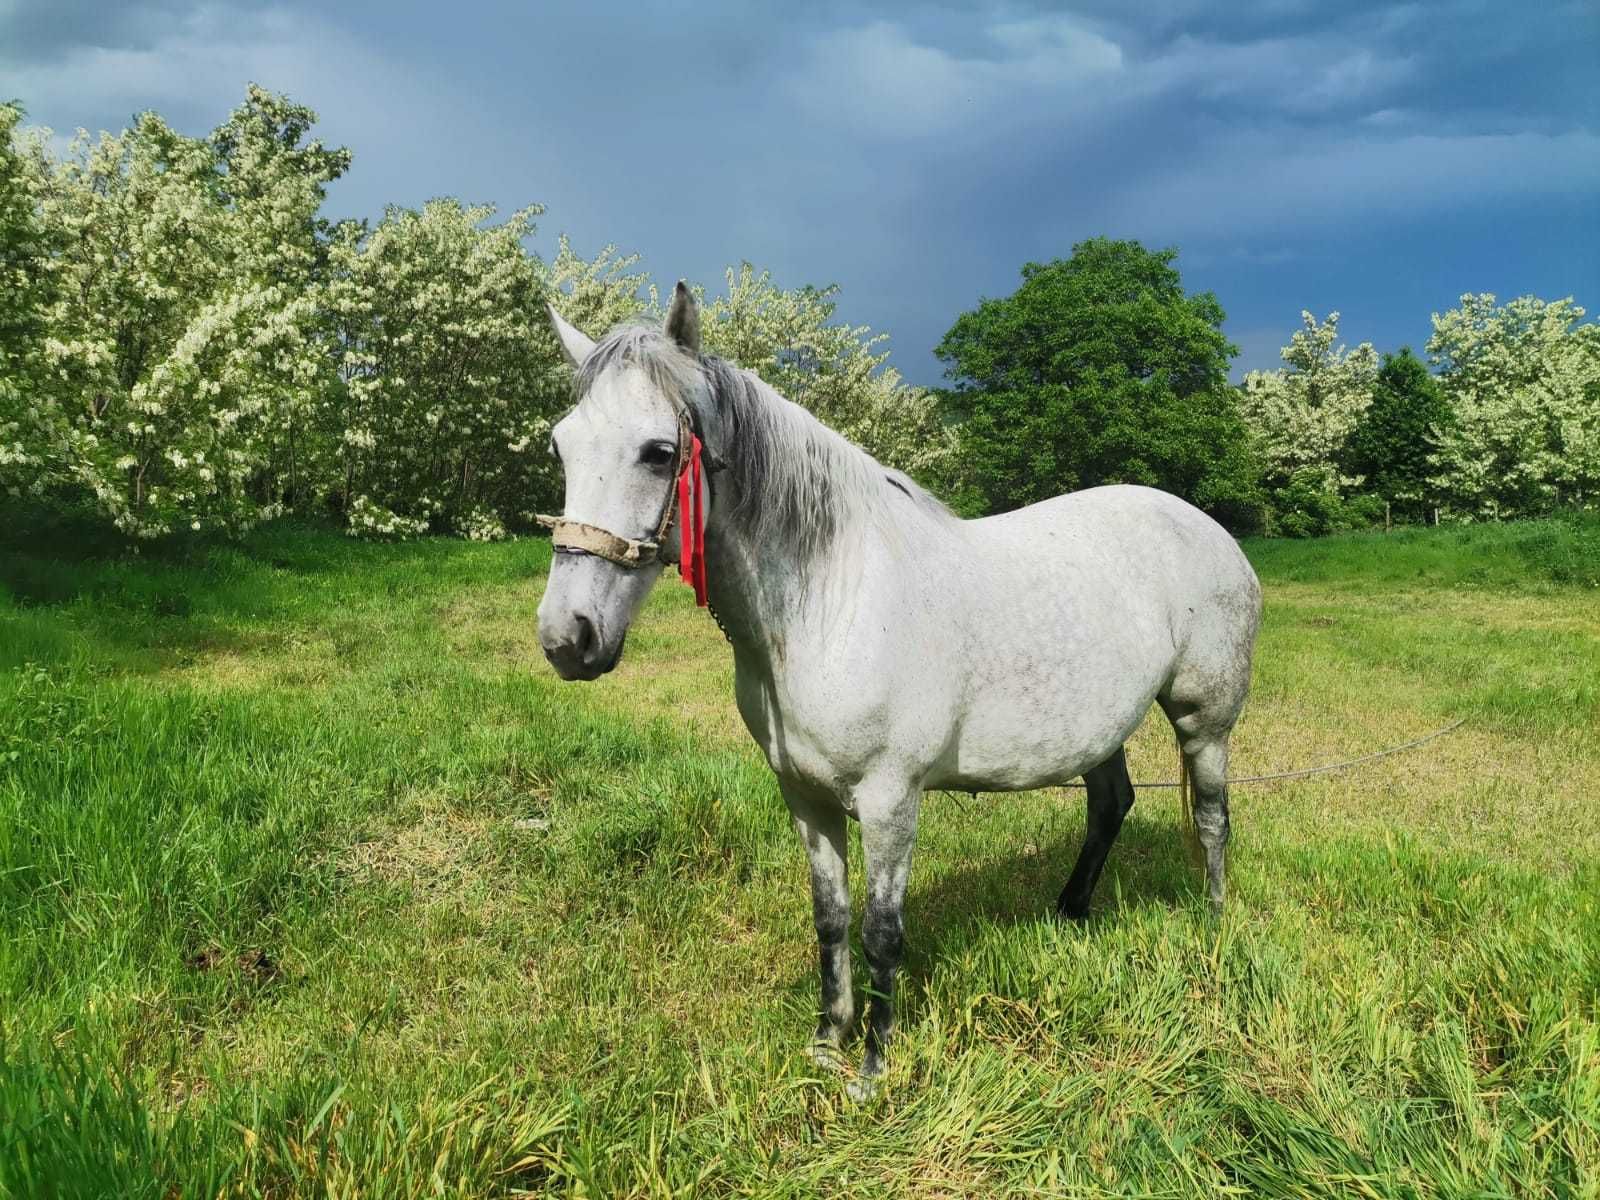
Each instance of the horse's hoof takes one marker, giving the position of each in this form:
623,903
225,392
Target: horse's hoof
1072,916
825,1055
863,1088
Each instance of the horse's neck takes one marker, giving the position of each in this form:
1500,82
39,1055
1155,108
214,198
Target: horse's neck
767,583
757,590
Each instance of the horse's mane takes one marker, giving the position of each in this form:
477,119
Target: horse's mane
795,480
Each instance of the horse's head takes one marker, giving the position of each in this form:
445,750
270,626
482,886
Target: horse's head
622,449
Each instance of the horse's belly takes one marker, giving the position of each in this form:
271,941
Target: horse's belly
997,752
1037,727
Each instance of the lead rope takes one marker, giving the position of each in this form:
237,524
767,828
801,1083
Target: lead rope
717,617
1301,773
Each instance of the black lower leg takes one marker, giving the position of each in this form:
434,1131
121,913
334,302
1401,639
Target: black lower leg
833,942
885,945
820,824
1110,796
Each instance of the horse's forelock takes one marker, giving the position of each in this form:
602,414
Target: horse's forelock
670,370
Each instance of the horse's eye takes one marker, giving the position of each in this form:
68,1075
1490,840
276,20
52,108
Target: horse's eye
658,454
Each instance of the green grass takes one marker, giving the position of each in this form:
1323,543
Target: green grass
1521,556
315,881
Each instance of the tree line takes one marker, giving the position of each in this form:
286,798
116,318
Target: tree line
187,344
1100,369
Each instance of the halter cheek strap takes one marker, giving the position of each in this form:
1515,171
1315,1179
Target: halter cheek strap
684,493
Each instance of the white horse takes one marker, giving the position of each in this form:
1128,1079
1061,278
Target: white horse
883,646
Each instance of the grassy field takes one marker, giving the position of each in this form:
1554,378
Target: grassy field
315,881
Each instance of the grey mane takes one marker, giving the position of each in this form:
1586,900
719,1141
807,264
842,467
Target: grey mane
793,479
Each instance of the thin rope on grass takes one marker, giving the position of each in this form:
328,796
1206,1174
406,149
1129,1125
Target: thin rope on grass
1326,769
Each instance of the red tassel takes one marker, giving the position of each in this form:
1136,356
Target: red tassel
701,595
692,525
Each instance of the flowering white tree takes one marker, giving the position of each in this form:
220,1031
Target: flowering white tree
1523,379
789,338
598,294
26,281
181,350
187,345
1302,414
436,312
451,374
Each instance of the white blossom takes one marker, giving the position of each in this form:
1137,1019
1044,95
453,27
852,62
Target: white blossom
185,312
1301,415
1523,380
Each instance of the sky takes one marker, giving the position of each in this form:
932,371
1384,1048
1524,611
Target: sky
1375,159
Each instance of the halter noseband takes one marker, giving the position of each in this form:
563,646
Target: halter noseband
578,537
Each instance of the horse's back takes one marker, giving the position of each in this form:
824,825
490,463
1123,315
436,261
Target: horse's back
1110,514
1149,544
1167,555
1074,615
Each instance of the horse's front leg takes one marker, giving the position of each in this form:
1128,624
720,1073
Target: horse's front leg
820,822
888,817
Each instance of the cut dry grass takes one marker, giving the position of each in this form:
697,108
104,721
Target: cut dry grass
314,881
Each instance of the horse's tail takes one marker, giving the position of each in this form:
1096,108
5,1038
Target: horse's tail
1191,832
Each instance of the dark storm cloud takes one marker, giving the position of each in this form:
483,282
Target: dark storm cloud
46,32
1376,158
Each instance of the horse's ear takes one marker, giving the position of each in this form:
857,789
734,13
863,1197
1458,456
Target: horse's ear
574,344
683,319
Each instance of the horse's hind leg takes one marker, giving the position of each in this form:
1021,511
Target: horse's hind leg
1203,740
1208,773
1110,796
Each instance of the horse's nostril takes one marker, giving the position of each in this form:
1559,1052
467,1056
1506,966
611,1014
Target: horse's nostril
588,642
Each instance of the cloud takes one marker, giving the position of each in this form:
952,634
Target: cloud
915,154
879,81
1271,183
45,32
194,67
1296,76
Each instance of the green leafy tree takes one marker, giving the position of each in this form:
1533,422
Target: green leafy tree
1099,369
1392,446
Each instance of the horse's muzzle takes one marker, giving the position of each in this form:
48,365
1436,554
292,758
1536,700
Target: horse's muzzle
576,649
